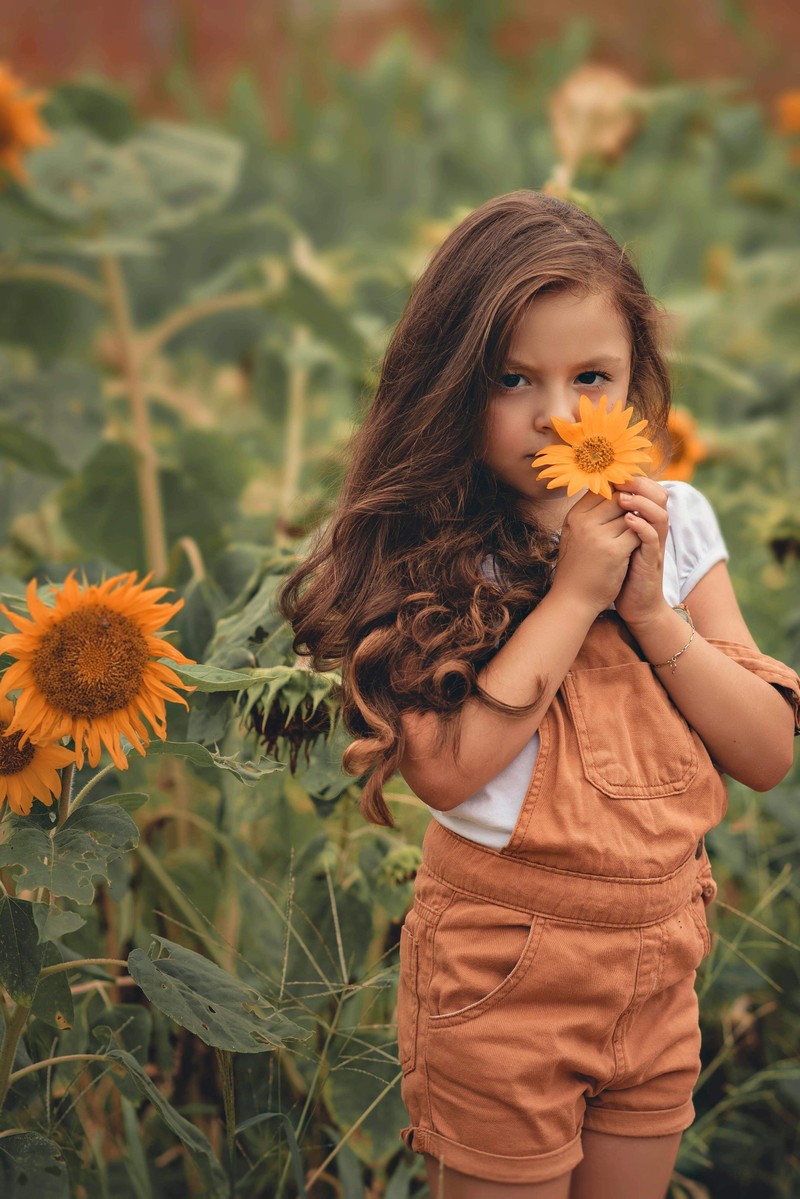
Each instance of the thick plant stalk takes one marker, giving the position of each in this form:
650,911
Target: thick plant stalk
146,462
15,1024
67,775
295,422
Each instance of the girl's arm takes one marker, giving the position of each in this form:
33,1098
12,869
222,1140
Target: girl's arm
542,648
722,684
746,725
594,556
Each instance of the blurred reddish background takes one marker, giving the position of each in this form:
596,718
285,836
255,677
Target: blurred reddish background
136,42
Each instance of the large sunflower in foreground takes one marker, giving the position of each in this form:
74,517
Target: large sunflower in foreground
600,450
28,771
21,127
86,666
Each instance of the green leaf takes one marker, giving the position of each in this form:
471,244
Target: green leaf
130,801
218,1008
191,171
54,922
163,177
94,102
246,772
212,678
199,1147
53,999
68,860
30,451
30,1164
20,951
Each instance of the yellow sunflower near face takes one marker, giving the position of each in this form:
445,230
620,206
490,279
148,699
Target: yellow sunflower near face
600,450
21,127
29,771
85,667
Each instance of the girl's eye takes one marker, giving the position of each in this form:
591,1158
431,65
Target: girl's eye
512,387
599,374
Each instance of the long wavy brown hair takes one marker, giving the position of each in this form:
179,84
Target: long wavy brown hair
392,591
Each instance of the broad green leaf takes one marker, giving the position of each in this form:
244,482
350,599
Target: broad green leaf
200,1150
30,451
80,178
20,951
30,1164
68,860
53,999
211,1003
191,171
54,922
95,103
246,772
212,678
130,801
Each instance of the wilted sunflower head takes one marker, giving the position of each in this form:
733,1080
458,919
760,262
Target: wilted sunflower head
28,771
600,450
275,728
86,667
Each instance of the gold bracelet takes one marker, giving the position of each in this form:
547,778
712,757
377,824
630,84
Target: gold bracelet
673,660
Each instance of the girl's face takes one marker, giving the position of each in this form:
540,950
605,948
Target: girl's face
566,345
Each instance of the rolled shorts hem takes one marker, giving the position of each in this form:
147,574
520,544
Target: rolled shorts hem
494,1167
639,1124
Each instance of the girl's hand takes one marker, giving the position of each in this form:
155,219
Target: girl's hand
641,595
595,546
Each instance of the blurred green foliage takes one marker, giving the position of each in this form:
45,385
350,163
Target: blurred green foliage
263,278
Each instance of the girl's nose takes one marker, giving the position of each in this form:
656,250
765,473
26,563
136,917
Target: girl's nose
565,406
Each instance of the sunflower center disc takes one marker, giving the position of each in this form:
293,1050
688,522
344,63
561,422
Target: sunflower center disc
13,760
91,663
593,454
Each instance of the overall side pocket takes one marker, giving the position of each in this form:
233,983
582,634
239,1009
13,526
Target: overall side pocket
408,997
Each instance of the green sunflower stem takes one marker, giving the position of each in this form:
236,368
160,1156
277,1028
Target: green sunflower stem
295,425
67,775
84,791
147,476
225,1067
15,1024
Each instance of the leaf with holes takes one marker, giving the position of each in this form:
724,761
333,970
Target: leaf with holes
218,1008
68,861
31,1164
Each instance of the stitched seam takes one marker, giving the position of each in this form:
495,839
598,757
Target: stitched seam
534,791
549,915
618,1033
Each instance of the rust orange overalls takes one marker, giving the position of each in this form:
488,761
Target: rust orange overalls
549,985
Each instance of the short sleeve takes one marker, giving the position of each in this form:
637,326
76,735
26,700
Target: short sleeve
781,676
696,535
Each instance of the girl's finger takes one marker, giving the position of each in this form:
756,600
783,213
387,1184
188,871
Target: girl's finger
643,529
645,487
639,504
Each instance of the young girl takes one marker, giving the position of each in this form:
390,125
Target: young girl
520,656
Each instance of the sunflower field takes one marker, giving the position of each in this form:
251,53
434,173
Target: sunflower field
198,931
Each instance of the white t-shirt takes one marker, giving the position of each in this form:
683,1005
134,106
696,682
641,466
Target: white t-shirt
694,544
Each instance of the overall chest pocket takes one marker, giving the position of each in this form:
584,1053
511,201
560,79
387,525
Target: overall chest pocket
633,741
